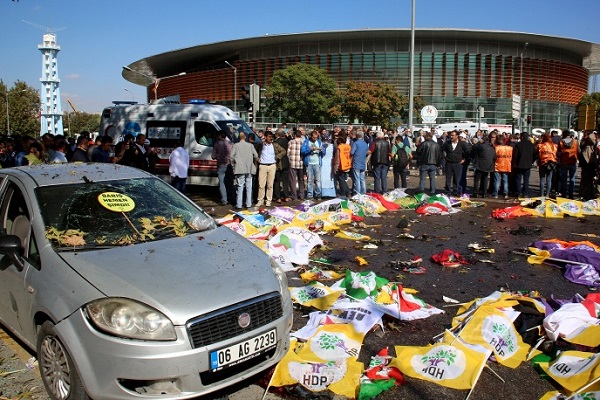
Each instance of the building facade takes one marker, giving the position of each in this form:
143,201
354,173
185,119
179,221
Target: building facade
457,71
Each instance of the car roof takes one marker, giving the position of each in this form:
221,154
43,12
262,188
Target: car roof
68,173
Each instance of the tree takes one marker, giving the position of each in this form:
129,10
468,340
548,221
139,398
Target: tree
418,104
370,103
593,101
76,122
303,93
23,109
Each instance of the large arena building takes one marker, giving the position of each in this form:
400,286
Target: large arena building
456,70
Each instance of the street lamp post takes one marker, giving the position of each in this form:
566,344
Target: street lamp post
132,94
234,86
521,90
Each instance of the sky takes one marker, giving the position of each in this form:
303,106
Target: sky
97,38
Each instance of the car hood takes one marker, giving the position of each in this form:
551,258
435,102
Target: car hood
182,277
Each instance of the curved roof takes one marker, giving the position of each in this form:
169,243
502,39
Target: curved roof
189,59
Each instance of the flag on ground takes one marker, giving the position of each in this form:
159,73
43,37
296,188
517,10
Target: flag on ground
494,329
573,369
452,365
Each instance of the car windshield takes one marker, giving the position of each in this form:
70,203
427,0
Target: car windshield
115,213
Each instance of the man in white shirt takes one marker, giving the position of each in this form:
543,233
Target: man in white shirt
179,163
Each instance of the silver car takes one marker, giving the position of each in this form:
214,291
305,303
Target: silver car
127,289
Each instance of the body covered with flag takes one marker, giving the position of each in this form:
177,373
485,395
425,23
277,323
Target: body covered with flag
576,323
585,269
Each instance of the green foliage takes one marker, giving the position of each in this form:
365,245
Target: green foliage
371,103
23,107
76,122
592,100
303,93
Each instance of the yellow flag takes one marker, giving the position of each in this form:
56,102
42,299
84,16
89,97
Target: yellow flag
570,207
351,235
574,369
315,295
452,365
588,335
553,210
492,328
333,342
586,395
340,376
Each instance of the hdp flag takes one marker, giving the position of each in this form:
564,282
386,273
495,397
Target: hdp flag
333,342
341,376
493,328
362,284
556,395
452,365
573,369
315,295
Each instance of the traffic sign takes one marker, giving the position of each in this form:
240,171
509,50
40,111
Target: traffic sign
429,114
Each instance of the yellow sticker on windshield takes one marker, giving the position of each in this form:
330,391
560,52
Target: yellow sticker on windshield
117,202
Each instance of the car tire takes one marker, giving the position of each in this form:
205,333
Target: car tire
60,377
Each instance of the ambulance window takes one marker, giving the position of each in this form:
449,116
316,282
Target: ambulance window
206,133
165,133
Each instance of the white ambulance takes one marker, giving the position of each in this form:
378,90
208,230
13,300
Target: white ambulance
165,122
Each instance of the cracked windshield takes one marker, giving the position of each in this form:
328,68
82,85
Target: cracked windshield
116,213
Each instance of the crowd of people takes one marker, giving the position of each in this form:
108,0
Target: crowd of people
502,162
284,165
17,151
276,166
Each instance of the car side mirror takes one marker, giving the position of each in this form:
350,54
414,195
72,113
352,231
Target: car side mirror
11,246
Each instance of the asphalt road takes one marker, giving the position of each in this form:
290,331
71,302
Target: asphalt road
432,234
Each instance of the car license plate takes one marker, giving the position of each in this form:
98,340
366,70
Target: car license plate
243,351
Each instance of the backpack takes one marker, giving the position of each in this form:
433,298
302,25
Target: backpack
401,159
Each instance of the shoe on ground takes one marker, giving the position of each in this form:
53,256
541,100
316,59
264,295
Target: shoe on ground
236,208
506,196
268,204
495,196
260,203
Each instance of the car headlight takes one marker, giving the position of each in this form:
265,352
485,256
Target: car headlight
281,276
131,319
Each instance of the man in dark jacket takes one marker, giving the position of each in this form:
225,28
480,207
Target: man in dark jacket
462,185
455,153
381,153
522,160
429,156
483,156
568,150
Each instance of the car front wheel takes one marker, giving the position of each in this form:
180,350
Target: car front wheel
58,372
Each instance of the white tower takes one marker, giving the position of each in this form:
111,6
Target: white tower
51,112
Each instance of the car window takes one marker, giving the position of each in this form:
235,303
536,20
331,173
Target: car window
118,212
206,133
14,208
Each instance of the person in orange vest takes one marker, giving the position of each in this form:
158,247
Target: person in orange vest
546,151
341,165
568,149
503,166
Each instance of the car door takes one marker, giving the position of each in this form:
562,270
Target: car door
15,295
